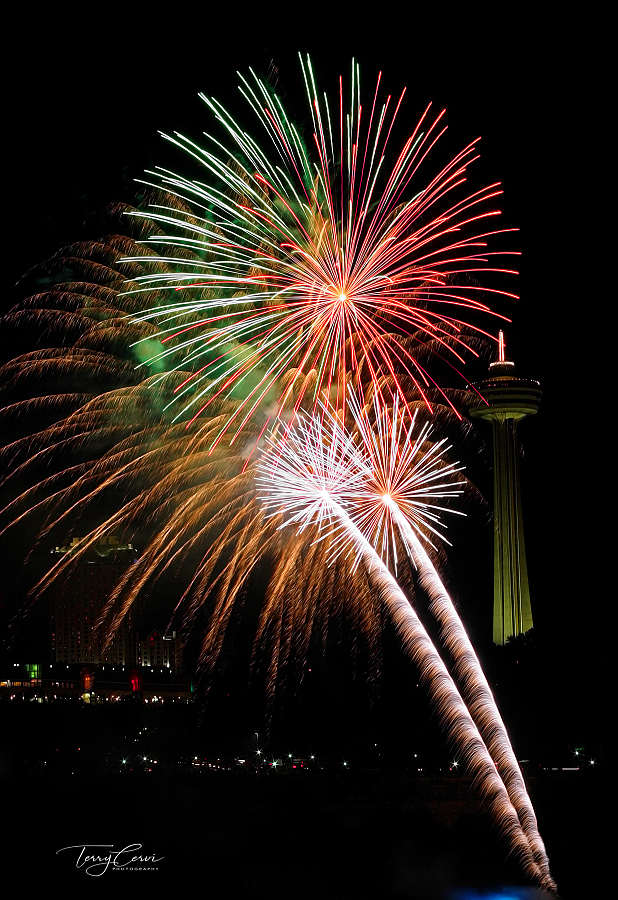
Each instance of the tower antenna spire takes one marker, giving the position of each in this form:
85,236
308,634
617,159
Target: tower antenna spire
501,346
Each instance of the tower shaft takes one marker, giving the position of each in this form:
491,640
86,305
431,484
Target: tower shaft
512,610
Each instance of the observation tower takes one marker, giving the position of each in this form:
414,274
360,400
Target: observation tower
508,399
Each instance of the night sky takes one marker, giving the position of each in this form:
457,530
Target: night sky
85,107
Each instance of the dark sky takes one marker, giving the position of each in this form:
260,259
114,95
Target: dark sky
87,101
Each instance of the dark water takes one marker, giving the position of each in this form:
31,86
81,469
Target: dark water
281,837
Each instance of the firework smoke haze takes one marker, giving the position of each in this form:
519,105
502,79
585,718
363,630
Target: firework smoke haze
305,474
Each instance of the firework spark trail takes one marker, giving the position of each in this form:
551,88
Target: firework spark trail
475,690
310,257
452,711
296,480
399,482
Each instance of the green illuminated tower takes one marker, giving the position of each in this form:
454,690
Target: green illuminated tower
508,399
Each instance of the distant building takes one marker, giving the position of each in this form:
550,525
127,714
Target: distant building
50,682
145,669
77,602
159,649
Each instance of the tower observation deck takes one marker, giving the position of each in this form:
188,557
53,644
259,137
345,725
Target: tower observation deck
508,399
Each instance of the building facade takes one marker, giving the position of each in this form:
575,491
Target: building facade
78,600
